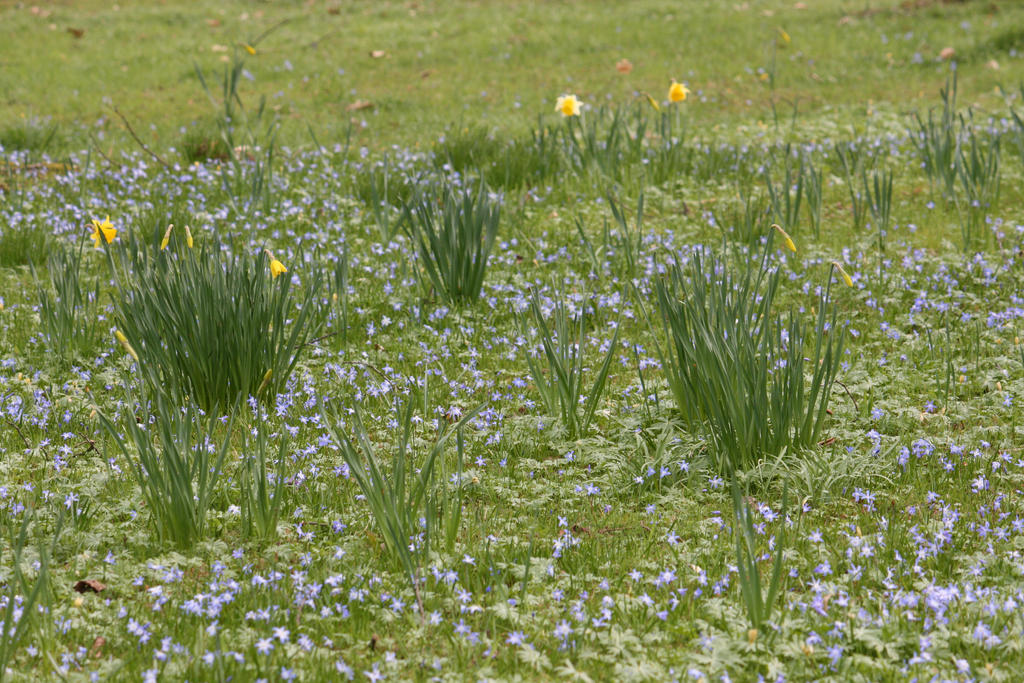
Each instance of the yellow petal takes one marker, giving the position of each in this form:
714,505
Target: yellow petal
105,228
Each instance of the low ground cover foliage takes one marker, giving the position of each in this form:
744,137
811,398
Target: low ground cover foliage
622,395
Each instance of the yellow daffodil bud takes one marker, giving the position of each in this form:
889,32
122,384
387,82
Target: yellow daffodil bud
249,48
188,237
752,635
167,237
266,382
653,102
123,340
568,105
842,271
785,237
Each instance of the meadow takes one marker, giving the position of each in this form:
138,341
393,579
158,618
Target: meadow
512,341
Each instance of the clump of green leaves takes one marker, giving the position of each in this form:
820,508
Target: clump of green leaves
247,140
736,367
30,134
261,487
786,196
560,380
204,141
172,456
67,303
22,594
937,142
620,247
402,496
454,231
209,325
22,247
758,605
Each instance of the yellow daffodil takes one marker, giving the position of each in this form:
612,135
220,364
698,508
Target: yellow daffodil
276,267
188,237
785,236
568,105
677,92
123,340
167,237
249,48
653,102
103,230
842,271
783,36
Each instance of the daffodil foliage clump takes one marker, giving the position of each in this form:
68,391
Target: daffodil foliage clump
207,325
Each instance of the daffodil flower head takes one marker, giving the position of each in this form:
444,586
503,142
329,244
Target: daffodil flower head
104,230
276,267
568,105
785,237
188,237
677,92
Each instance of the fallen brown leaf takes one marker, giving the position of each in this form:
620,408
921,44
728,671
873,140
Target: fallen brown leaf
359,104
89,586
377,54
76,32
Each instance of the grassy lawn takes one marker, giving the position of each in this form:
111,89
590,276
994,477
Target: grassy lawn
495,64
363,362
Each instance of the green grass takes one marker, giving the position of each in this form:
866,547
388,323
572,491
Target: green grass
507,467
474,63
